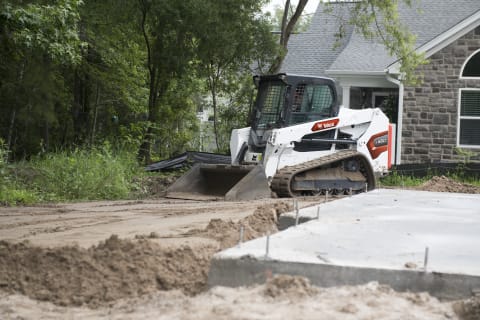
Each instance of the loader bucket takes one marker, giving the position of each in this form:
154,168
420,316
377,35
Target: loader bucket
218,181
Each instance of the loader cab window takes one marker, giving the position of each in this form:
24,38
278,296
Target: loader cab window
311,102
270,104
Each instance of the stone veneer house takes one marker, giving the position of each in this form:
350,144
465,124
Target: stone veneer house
433,120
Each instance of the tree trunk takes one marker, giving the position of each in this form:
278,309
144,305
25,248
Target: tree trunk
212,82
144,152
95,115
80,106
46,143
10,129
286,31
214,105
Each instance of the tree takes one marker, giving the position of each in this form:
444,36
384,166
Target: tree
109,85
169,43
288,24
36,41
376,19
379,20
302,24
236,111
230,38
49,28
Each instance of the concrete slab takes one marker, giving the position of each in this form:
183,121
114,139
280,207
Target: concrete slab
377,236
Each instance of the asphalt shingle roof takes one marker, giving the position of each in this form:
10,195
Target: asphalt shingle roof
314,52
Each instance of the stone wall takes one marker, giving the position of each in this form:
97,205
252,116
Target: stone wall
431,109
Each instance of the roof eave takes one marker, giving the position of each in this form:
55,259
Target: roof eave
441,41
354,73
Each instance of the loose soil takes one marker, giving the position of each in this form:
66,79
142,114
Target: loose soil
444,184
264,220
154,186
121,268
55,263
282,297
468,309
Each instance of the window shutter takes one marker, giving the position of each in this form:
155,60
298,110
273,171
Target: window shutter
470,118
470,106
470,132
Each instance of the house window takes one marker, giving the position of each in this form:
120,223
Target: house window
471,67
469,118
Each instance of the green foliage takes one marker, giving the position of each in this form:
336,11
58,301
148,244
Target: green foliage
235,111
395,179
179,127
302,24
13,196
226,53
391,103
51,28
81,174
378,20
465,154
76,73
38,41
84,174
11,193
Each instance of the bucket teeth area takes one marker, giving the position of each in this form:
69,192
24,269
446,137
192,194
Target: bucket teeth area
226,182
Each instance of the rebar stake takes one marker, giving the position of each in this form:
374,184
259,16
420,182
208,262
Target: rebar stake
267,248
425,260
297,213
240,240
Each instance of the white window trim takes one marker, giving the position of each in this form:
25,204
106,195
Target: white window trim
465,63
459,117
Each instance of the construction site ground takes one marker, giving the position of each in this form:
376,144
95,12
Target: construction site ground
150,259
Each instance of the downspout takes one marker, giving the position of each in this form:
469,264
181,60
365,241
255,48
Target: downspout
401,89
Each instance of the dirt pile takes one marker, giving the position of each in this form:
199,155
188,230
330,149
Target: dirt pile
262,221
289,286
120,268
444,184
114,269
153,186
370,301
468,309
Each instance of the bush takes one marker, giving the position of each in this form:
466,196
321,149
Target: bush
92,174
11,196
82,174
10,191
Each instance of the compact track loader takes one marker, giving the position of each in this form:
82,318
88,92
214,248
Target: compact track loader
300,143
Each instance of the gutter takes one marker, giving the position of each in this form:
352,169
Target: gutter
401,90
355,73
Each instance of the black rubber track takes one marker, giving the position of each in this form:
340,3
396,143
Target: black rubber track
282,181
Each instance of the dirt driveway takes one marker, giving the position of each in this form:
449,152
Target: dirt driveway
150,259
86,224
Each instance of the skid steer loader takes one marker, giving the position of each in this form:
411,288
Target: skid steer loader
300,143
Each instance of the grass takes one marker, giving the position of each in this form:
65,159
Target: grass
395,179
81,174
